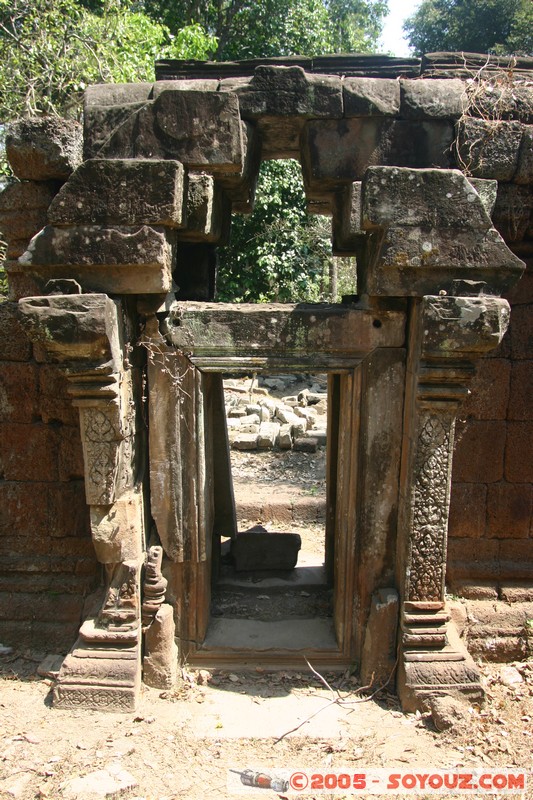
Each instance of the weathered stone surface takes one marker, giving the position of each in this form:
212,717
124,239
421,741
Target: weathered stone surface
118,531
512,212
110,782
25,196
74,327
14,344
336,152
448,712
487,191
260,549
524,171
160,662
479,452
101,122
44,148
207,85
117,94
489,390
289,91
489,148
200,129
115,260
496,99
435,99
208,211
268,433
519,452
346,226
121,192
509,508
245,440
18,392
434,231
371,97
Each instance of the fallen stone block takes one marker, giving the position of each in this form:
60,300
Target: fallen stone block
268,434
160,663
260,549
245,441
306,444
284,440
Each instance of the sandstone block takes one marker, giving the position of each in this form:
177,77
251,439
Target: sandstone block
521,393
346,225
337,152
489,149
284,440
299,429
160,662
121,192
467,510
434,99
55,405
479,452
97,257
289,91
519,452
44,148
371,97
487,191
268,433
305,444
262,550
100,122
509,508
25,196
245,441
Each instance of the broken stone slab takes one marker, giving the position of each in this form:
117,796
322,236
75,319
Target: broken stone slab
160,662
371,97
309,414
117,531
434,99
44,148
101,122
426,198
113,781
193,85
122,192
489,148
115,260
299,429
259,549
286,416
319,435
448,712
308,398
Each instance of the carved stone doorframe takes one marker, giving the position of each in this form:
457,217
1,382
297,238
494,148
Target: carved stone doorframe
429,263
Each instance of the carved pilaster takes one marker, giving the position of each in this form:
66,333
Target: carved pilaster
84,333
447,336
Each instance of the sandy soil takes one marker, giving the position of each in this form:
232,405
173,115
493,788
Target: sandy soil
181,744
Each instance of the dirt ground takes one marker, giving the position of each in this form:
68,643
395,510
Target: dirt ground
180,744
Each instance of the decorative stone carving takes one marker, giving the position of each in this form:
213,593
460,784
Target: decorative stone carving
154,586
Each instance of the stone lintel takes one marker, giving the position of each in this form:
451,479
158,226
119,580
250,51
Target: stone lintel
289,92
292,331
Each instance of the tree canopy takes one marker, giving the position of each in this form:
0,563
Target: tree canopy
503,27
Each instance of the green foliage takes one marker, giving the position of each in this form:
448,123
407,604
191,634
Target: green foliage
251,29
51,49
478,26
278,253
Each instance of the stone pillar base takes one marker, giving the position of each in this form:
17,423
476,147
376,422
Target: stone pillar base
447,670
103,678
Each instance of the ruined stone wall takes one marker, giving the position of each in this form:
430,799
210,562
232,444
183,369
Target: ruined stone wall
47,560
